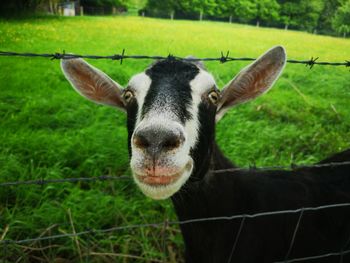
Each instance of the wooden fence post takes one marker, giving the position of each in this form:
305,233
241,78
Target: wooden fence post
201,15
60,10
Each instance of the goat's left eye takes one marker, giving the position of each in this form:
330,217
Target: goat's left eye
128,95
213,97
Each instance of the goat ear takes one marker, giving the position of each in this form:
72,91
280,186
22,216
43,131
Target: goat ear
92,83
253,80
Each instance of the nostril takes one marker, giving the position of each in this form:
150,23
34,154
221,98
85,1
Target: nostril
154,141
141,141
171,143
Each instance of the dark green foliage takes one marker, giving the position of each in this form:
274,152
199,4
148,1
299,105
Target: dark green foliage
103,3
266,10
326,16
300,13
160,8
309,15
239,10
103,7
341,19
29,7
18,7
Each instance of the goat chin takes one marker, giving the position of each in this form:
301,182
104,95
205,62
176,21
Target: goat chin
164,191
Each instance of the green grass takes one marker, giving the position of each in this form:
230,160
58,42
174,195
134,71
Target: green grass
49,131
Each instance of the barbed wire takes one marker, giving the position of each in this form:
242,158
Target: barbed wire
7,242
66,180
315,257
120,57
285,167
183,222
124,177
222,59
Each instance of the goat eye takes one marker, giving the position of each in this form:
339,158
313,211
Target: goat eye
213,97
128,95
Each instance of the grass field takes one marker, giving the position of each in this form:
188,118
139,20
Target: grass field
48,131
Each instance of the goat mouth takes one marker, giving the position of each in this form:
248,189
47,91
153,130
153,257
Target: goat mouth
159,180
163,180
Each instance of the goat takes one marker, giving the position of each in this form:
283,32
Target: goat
172,108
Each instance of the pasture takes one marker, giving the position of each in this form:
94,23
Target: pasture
48,131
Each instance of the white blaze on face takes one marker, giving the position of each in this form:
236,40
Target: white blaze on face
140,85
159,116
200,87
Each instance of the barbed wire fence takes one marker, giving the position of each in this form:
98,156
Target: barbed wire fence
121,57
301,211
125,177
222,59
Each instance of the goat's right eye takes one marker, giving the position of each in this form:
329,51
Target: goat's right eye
213,97
128,95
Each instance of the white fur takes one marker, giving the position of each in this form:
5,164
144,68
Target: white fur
200,85
140,85
162,117
177,161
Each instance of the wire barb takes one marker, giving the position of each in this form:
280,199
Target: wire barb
57,56
122,56
223,58
171,57
312,62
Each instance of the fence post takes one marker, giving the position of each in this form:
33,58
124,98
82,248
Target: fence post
114,10
60,10
230,19
81,11
51,7
172,15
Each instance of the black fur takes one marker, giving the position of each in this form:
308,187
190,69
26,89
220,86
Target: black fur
170,86
131,109
202,152
264,239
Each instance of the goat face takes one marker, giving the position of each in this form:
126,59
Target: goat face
165,127
172,108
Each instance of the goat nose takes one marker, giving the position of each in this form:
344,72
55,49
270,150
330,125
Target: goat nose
156,141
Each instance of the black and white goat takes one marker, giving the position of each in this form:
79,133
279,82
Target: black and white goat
171,111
